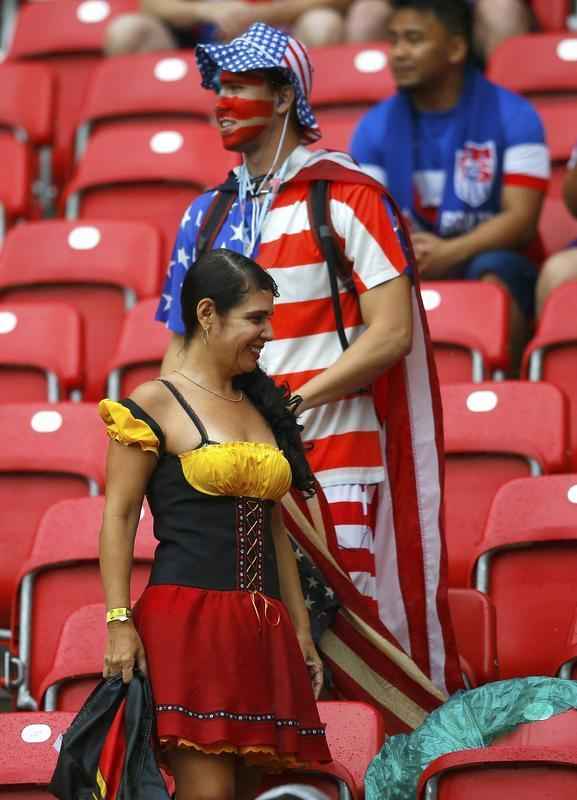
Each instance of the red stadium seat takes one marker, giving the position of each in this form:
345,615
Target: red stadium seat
60,576
100,268
164,86
27,98
78,661
551,15
526,564
559,730
351,75
494,432
68,36
568,664
355,734
363,80
469,324
15,179
474,624
141,348
552,354
547,59
515,773
148,173
49,452
28,753
337,130
40,352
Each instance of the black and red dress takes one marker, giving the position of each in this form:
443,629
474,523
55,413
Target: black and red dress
224,662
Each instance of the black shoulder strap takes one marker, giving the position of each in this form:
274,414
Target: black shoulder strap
186,406
213,221
337,265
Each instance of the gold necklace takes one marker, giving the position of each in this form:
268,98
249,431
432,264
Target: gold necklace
211,391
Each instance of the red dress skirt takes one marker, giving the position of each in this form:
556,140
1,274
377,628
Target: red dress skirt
228,676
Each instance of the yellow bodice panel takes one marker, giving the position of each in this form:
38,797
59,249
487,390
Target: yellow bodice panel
237,469
241,469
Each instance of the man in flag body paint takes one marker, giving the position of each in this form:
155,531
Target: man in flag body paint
377,456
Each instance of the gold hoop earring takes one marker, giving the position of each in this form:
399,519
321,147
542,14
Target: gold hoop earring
205,332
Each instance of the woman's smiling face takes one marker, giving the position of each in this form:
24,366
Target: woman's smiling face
237,338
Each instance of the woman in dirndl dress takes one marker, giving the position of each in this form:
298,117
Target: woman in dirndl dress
221,630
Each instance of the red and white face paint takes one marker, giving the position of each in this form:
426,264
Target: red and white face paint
243,111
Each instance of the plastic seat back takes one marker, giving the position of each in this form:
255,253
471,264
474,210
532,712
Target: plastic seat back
363,74
551,355
355,734
15,178
143,171
526,564
100,268
517,773
78,661
68,37
62,574
494,433
40,352
548,64
469,325
474,624
551,15
48,453
27,101
141,348
162,86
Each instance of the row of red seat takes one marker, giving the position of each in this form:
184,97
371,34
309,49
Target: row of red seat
55,663
496,445
533,762
143,119
29,745
77,304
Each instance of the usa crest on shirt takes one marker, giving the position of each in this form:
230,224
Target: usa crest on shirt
475,169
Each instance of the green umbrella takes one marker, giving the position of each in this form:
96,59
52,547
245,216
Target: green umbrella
468,720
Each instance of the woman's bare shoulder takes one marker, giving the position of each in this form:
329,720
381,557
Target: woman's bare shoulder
152,397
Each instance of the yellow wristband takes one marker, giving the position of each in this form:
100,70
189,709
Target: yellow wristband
118,615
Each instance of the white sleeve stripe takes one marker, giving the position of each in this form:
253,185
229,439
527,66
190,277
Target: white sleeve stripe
367,256
527,159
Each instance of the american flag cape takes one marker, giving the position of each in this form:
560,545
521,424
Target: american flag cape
404,659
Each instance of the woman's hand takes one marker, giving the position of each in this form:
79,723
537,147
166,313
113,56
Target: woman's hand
124,651
313,662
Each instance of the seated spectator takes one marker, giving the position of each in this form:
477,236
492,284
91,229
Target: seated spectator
466,159
168,24
561,267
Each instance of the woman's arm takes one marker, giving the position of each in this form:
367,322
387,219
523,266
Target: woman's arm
127,472
292,596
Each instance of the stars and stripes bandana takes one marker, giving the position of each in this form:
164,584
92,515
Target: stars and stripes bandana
264,47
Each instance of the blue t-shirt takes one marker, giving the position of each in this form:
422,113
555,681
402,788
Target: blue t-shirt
521,160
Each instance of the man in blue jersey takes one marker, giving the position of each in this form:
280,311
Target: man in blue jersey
466,160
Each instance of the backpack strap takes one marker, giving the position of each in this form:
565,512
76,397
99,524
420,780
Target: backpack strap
338,265
213,221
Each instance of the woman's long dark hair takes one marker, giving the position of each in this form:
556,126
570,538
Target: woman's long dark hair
226,278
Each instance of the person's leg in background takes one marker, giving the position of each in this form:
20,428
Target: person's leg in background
558,269
497,20
366,21
362,21
137,33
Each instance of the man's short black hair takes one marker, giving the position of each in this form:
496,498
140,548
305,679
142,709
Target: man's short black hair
455,15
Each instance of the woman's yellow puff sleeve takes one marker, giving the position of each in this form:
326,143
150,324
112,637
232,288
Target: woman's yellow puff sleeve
124,427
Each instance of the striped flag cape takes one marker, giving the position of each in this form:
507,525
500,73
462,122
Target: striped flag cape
403,657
